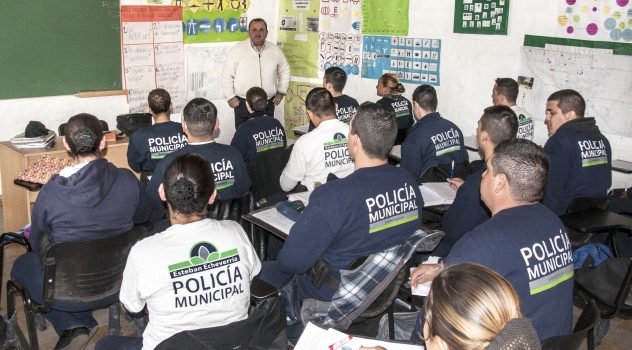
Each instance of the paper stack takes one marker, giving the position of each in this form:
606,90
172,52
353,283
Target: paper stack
46,141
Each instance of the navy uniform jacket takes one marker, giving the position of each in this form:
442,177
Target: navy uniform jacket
346,108
581,164
259,134
229,170
147,146
402,108
432,141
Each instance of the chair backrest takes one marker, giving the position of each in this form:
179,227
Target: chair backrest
583,203
263,329
265,171
584,328
440,173
234,209
85,271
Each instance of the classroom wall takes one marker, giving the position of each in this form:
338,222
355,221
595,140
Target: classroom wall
469,65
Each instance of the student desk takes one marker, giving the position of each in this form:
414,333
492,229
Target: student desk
16,199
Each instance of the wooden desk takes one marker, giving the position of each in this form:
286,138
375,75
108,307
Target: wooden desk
17,200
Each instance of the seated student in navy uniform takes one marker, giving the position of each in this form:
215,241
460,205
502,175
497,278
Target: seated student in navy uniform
524,241
581,158
321,152
433,139
390,89
230,173
497,124
260,133
505,93
147,146
352,217
334,81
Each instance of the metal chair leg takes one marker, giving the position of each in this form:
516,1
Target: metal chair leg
114,323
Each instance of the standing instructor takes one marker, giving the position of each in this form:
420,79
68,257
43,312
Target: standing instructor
254,62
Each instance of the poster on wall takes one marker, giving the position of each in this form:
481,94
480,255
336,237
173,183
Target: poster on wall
294,110
209,21
298,36
603,20
342,50
340,16
413,60
204,71
153,53
481,17
385,17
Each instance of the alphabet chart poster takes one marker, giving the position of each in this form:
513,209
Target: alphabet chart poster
385,17
340,16
153,54
481,17
342,50
413,60
603,20
209,21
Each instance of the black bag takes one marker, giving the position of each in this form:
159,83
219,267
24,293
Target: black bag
128,123
603,281
288,291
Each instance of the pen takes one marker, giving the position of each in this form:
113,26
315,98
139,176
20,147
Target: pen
429,272
452,171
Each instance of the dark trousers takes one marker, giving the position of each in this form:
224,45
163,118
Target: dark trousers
242,114
116,342
64,315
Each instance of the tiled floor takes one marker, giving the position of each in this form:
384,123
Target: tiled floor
619,336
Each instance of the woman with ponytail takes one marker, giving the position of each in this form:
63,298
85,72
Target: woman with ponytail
391,90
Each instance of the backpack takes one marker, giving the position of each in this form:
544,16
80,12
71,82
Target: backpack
604,278
128,123
597,251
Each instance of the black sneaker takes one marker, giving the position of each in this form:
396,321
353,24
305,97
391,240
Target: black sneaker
75,339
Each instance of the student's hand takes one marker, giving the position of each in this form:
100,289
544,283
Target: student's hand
455,183
278,98
428,271
233,102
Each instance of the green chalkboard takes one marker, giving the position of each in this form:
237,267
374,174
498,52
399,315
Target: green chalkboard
50,48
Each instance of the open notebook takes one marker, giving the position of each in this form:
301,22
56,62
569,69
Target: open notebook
437,193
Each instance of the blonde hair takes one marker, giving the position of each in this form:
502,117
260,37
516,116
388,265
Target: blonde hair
468,305
390,81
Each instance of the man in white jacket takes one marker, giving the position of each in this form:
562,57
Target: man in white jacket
254,62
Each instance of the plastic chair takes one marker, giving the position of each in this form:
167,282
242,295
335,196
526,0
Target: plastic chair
585,328
79,271
263,329
607,309
234,209
441,172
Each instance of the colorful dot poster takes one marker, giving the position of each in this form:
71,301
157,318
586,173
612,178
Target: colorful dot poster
603,20
413,60
294,110
342,50
385,17
208,21
481,17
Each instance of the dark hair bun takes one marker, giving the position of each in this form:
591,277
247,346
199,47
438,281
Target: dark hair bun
181,192
260,105
85,140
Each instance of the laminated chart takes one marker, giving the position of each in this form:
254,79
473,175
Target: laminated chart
294,110
604,20
298,36
385,17
342,50
340,16
204,71
413,60
208,21
481,17
153,53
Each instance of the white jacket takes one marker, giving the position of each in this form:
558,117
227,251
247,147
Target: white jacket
245,67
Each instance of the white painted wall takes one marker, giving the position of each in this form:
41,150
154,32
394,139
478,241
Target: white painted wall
469,65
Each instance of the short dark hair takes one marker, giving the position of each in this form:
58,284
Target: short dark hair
390,81
569,100
159,101
526,167
337,77
83,133
200,116
376,127
320,102
500,122
508,88
257,99
258,20
426,97
188,184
